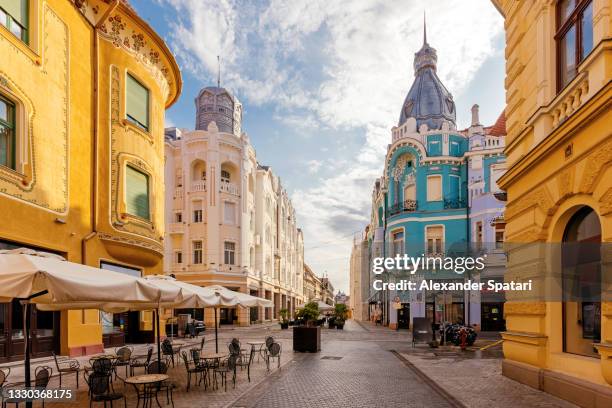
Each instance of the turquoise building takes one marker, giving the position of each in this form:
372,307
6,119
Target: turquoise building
438,197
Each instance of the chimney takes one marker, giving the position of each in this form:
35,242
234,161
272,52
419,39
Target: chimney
475,115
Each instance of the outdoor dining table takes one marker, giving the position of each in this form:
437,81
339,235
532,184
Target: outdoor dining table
257,346
145,380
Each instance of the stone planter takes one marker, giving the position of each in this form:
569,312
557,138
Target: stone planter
306,339
284,326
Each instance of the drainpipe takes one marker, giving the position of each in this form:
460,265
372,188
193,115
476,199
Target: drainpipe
94,181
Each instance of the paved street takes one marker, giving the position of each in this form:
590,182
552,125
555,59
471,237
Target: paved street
362,366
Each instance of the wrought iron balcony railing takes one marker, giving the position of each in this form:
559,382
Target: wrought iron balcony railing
405,206
454,203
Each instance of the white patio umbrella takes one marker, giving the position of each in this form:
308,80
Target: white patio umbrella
53,283
323,307
242,299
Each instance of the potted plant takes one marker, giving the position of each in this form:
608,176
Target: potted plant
284,319
307,338
340,314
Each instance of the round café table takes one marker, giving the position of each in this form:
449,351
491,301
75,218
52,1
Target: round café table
148,391
257,346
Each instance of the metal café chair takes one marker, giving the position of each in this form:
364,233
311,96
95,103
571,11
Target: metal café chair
136,363
228,366
273,352
4,373
66,365
195,370
168,350
100,390
124,358
244,362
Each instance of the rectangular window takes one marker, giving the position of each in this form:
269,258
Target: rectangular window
7,133
137,102
434,188
225,176
229,212
137,193
179,257
435,240
178,217
229,253
197,211
574,37
197,252
398,243
14,16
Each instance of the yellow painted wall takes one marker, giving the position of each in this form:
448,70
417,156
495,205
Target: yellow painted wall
56,199
559,149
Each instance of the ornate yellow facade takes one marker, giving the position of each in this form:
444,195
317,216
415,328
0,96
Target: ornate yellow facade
559,150
73,141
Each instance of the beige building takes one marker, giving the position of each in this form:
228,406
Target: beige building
229,221
359,278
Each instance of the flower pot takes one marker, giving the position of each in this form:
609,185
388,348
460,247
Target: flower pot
340,326
284,326
306,339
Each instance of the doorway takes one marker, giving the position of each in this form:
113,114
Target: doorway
44,327
403,316
492,317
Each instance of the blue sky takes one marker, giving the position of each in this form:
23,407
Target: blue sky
322,83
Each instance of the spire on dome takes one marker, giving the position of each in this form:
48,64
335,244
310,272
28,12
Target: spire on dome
424,28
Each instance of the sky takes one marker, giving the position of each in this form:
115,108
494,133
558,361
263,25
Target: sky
322,83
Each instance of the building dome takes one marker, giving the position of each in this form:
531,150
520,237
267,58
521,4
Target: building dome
428,101
216,104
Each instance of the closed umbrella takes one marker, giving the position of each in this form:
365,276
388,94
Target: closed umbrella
49,281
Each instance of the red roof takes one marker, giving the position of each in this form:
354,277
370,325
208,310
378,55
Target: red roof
499,128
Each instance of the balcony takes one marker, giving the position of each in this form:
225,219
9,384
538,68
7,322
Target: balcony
176,228
454,203
198,186
406,206
229,188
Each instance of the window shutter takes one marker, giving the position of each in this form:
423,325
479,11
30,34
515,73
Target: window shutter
137,193
137,101
18,9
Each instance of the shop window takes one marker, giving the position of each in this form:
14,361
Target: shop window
582,283
14,16
229,252
137,102
434,188
7,133
197,252
137,193
574,37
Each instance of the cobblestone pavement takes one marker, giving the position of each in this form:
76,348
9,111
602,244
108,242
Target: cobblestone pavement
361,366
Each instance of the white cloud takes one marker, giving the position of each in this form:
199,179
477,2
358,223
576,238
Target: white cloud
314,166
347,65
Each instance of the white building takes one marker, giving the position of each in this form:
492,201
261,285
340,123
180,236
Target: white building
229,222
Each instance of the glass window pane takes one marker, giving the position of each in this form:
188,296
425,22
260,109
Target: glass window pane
565,9
568,56
587,30
3,19
4,111
5,134
137,102
18,9
137,193
16,29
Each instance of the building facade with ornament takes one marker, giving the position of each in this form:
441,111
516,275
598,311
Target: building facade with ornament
437,197
229,221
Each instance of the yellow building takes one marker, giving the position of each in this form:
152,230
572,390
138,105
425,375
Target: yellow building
559,189
83,90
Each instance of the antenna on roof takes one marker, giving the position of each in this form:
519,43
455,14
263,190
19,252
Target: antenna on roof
218,72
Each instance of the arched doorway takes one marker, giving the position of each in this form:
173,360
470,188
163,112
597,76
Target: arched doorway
582,277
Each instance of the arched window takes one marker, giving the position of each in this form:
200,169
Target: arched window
582,283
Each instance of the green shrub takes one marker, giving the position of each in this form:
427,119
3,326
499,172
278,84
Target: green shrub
310,312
